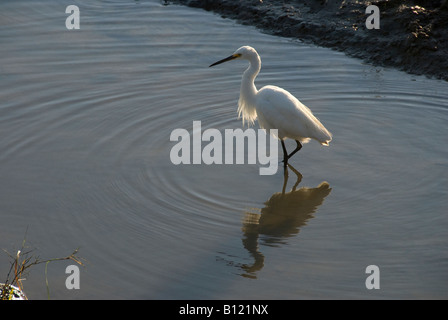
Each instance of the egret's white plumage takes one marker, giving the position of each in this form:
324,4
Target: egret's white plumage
274,107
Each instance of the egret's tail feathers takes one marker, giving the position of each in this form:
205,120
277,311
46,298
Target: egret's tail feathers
316,129
324,136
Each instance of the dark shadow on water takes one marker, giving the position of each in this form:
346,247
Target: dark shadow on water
281,218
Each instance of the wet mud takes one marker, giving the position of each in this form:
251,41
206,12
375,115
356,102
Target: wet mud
412,35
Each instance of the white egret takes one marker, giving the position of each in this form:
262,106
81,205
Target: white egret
275,108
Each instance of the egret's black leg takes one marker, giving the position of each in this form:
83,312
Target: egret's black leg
299,146
285,153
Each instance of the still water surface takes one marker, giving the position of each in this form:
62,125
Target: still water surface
85,123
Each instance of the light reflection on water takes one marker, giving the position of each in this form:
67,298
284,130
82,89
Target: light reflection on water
85,121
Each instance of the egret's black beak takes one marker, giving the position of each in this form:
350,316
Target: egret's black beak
233,56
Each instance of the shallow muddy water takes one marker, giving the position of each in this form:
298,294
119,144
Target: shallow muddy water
85,123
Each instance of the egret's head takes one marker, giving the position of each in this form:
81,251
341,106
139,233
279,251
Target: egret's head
245,52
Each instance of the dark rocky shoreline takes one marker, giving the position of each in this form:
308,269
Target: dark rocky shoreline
413,35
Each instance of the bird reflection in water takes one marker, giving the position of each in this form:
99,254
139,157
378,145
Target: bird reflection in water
282,217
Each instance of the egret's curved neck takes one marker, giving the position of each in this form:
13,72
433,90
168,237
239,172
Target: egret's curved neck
248,89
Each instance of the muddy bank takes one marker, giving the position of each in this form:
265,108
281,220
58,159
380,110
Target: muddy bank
412,37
